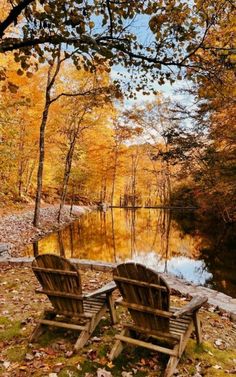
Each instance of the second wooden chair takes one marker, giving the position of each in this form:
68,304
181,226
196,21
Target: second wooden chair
146,295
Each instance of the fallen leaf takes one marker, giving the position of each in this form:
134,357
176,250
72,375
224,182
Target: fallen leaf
110,364
217,366
103,373
126,374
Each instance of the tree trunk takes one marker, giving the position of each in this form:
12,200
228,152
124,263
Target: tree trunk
20,178
113,236
114,176
41,163
50,82
134,177
72,200
22,162
67,170
29,178
168,179
72,240
36,249
61,244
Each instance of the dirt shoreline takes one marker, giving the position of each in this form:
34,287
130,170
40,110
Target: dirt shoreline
17,230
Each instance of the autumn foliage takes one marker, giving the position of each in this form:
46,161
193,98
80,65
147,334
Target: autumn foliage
66,71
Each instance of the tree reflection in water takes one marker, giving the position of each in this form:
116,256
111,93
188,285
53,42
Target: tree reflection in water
167,241
217,248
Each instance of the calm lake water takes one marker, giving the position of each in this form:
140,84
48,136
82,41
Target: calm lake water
166,241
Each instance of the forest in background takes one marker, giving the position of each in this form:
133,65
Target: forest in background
93,148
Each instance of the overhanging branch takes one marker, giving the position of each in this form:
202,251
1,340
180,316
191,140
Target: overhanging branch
13,15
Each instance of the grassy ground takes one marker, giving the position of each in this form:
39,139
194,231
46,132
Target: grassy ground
53,354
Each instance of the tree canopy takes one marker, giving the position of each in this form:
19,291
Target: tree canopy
160,37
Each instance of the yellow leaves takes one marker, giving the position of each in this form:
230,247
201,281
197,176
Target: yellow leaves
110,364
232,58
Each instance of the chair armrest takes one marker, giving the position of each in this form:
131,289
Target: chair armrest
108,288
191,307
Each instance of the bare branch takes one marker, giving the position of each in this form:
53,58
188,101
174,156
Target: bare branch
85,93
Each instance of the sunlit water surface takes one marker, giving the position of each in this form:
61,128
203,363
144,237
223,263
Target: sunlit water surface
148,236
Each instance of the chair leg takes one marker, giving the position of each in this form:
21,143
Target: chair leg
197,325
171,366
41,328
174,360
85,334
82,340
38,331
118,346
111,308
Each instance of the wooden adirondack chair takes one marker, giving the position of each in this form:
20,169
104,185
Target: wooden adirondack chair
147,297
60,281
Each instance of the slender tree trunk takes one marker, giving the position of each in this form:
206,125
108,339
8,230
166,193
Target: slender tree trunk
36,249
168,179
72,240
133,232
20,178
113,235
29,178
74,135
114,176
67,170
101,191
22,162
72,200
105,189
50,82
41,162
134,177
61,244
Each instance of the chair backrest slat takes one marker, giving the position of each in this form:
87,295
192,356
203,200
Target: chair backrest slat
57,274
140,283
144,287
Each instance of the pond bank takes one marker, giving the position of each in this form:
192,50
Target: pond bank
17,230
216,300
